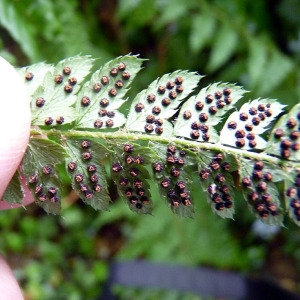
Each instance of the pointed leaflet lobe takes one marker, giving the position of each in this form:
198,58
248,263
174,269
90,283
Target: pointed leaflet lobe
224,45
259,189
200,113
284,138
52,100
39,168
243,128
173,170
292,195
14,192
86,171
98,102
153,106
34,75
215,172
129,172
207,23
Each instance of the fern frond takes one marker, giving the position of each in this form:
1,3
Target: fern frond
170,136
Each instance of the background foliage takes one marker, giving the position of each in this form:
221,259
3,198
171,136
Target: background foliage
255,44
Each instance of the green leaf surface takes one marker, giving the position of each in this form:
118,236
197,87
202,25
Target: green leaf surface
14,192
57,101
259,190
258,57
171,11
211,103
130,174
136,13
291,195
284,138
108,95
40,152
275,71
18,26
152,107
39,168
39,72
215,176
87,173
244,127
203,27
224,45
173,170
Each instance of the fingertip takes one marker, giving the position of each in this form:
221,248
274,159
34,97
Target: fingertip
9,288
14,122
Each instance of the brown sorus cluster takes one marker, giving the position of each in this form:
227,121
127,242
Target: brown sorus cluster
72,166
253,117
257,184
67,70
288,137
114,72
165,101
98,123
87,155
187,114
175,187
220,196
85,101
293,193
72,80
110,84
116,167
88,182
214,102
47,170
131,186
68,88
85,144
97,87
104,102
103,112
110,114
48,121
112,92
40,102
91,168
139,107
41,192
105,80
119,84
219,191
58,79
158,100
109,123
29,76
60,120
150,119
33,178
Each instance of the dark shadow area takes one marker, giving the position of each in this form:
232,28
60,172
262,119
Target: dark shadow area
201,281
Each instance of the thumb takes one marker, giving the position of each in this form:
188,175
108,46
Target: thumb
9,287
14,122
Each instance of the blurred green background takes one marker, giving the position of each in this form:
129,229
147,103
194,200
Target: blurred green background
253,43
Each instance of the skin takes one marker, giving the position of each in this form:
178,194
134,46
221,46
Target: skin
14,135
